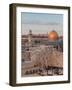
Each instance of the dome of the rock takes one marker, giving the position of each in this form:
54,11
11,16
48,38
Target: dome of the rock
53,35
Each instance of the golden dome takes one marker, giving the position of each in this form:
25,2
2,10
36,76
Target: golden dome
53,35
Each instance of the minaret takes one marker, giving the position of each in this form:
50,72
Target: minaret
30,37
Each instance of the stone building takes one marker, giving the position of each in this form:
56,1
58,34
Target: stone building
42,51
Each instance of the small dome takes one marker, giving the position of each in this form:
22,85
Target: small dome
53,35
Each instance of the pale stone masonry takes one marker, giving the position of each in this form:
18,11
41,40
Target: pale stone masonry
43,56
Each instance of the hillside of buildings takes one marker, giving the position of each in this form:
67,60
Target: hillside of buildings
42,54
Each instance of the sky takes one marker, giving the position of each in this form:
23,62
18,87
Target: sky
41,22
